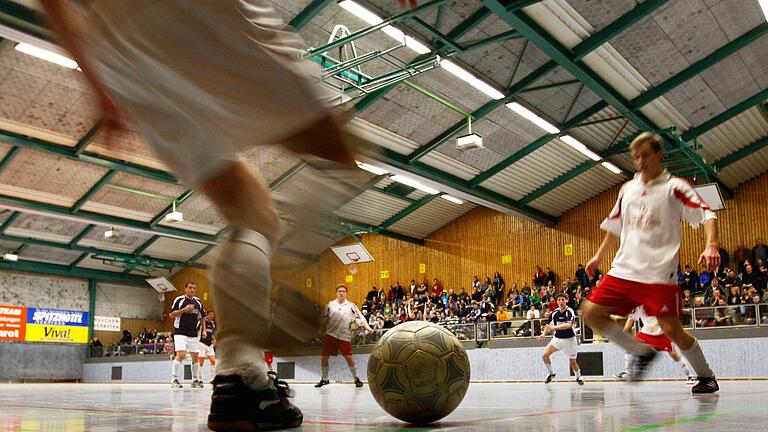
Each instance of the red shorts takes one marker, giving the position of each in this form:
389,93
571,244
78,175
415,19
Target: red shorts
660,342
622,296
332,346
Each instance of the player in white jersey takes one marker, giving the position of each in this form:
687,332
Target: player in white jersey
646,220
561,324
651,334
338,317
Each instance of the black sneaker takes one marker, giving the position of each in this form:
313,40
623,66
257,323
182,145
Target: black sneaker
706,385
549,378
176,384
358,383
639,365
235,406
579,381
197,384
322,383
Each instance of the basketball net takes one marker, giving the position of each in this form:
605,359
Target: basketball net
161,297
352,267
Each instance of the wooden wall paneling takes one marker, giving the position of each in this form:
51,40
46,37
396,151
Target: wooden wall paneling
135,326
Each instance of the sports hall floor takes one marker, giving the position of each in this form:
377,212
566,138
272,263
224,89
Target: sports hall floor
560,406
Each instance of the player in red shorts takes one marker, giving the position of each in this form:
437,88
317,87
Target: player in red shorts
646,220
651,334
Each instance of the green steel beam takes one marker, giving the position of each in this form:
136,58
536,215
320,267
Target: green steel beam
91,306
86,139
140,250
23,19
530,148
8,157
469,23
580,169
8,222
69,153
375,230
481,112
406,211
78,260
181,198
92,191
394,195
306,14
81,235
443,39
741,153
287,175
501,37
201,253
549,86
75,272
513,5
700,66
103,219
726,115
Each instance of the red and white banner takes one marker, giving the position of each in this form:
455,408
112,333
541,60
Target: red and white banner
13,323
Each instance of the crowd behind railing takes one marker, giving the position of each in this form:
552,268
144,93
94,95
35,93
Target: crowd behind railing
733,295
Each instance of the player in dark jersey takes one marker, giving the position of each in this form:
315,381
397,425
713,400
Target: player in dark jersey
207,345
561,324
186,311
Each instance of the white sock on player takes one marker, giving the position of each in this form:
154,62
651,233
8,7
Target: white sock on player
353,369
195,370
627,358
616,334
549,367
695,357
175,369
578,374
213,371
324,372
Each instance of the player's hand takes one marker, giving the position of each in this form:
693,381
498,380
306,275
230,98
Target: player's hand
408,3
188,308
710,257
592,265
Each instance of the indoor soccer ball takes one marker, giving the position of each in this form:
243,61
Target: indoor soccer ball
418,372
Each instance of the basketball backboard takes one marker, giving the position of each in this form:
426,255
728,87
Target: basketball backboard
161,285
354,253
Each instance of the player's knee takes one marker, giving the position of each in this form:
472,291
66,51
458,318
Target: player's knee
213,361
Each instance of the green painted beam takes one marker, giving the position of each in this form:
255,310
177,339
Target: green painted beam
287,175
443,39
514,5
469,23
23,19
157,262
549,86
8,157
501,37
8,222
201,253
92,191
580,169
81,235
78,260
86,139
406,211
69,153
481,112
75,272
530,148
700,66
725,115
310,11
142,247
359,226
179,200
102,219
741,153
615,28
91,306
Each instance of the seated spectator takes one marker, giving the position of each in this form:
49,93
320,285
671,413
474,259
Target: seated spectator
486,305
96,347
734,297
714,299
372,294
476,284
531,322
451,321
749,276
525,289
687,299
477,295
703,315
503,316
724,316
713,286
704,276
515,305
463,295
535,299
581,275
127,337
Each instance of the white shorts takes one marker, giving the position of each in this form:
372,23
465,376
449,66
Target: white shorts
186,343
207,350
569,346
204,80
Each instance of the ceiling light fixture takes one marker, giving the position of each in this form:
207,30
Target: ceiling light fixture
533,118
10,257
581,148
414,184
764,7
174,216
611,167
46,55
112,232
452,199
371,169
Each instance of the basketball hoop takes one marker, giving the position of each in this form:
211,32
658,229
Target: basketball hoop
161,297
352,267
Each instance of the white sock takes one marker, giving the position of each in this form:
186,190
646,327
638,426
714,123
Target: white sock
684,367
578,373
175,369
615,334
213,371
195,370
627,357
324,370
699,364
353,369
549,367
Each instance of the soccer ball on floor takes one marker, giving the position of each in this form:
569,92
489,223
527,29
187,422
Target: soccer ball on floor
418,372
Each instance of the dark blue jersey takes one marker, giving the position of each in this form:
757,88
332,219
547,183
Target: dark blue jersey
561,317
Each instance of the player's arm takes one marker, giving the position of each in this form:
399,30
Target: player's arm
711,254
629,324
609,241
176,310
563,326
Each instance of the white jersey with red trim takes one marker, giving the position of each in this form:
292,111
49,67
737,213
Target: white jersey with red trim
647,218
650,323
339,317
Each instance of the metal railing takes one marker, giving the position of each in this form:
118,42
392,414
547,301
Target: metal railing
130,349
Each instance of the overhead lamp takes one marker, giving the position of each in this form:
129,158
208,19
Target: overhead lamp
471,140
414,184
420,48
764,6
174,216
46,55
611,167
581,148
10,257
112,232
371,169
452,199
533,118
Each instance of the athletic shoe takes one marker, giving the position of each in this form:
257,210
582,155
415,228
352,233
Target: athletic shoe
322,383
176,384
549,378
706,385
235,406
358,383
691,380
639,365
621,375
197,384
579,381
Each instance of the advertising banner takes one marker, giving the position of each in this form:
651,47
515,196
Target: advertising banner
13,321
56,325
106,323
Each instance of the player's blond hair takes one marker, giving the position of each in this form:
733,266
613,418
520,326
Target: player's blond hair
341,286
647,137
